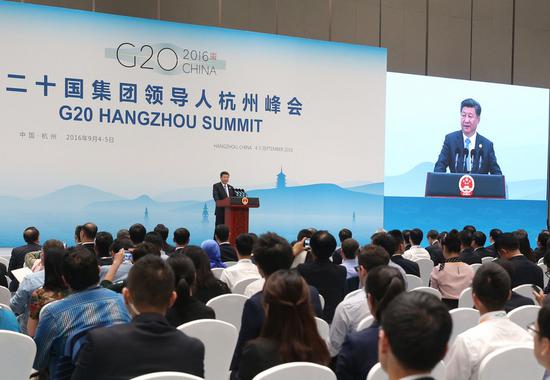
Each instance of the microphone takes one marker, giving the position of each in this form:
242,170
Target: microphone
456,159
465,157
472,159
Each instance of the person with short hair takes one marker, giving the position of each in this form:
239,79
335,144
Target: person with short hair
31,235
220,191
123,234
289,332
393,247
467,254
148,343
359,351
350,249
227,251
542,238
490,291
478,244
328,278
163,231
181,239
525,272
155,239
87,307
414,335
416,252
516,300
245,268
343,234
137,233
87,234
434,247
493,235
102,243
302,251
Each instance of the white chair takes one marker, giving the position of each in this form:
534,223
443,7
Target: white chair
323,328
414,282
296,371
16,355
351,294
4,261
228,308
240,286
377,373
427,289
464,318
475,266
4,306
322,301
426,266
465,299
5,295
217,272
526,290
365,323
541,261
511,363
524,316
167,376
544,270
219,339
230,263
487,259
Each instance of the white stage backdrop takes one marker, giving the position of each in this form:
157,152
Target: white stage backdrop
119,120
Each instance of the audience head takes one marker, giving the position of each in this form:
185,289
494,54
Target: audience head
432,236
344,234
181,237
137,233
470,228
465,238
52,243
451,245
289,319
162,230
221,233
494,234
406,236
479,239
304,233
143,249
350,249
416,236
53,268
31,235
386,241
524,244
542,238
102,243
155,239
88,232
541,332
212,249
414,334
77,234
507,245
244,244
400,240
491,288
370,257
322,245
80,268
150,287
205,277
271,253
118,244
184,273
123,234
384,283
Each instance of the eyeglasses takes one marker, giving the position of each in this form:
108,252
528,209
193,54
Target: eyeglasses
533,330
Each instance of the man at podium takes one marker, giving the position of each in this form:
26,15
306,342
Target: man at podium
222,190
466,151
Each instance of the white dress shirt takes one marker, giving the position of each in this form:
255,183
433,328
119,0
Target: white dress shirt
414,377
347,316
494,331
416,252
254,287
244,269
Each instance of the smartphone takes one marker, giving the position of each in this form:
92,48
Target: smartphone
128,256
306,243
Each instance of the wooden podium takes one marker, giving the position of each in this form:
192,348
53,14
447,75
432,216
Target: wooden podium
236,214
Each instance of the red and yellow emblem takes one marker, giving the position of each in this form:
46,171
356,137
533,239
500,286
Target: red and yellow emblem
466,185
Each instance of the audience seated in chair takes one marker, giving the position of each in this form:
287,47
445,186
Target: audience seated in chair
414,334
490,291
467,254
393,243
525,272
31,235
359,352
415,251
434,247
221,235
163,231
181,239
148,343
207,286
212,250
343,234
350,249
289,332
516,300
186,308
102,243
244,268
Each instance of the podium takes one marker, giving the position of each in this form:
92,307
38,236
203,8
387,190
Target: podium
236,214
463,185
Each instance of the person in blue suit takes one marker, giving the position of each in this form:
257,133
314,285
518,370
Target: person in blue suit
466,151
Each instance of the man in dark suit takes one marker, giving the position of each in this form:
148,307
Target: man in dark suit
342,235
434,249
467,254
149,343
493,236
271,253
478,244
17,259
524,271
393,247
327,277
163,231
456,153
222,190
227,251
181,238
87,236
411,318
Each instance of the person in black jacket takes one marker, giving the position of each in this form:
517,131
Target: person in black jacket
467,254
327,277
222,190
516,300
525,272
434,249
392,246
17,259
147,344
227,251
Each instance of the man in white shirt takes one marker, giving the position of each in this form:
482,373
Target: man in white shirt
244,268
416,252
490,291
413,336
355,308
350,249
541,332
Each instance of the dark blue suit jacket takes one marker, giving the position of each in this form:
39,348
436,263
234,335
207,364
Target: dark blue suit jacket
359,354
484,163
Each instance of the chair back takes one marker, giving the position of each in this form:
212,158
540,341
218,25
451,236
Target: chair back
219,339
322,301
229,308
217,272
4,261
414,282
544,269
487,259
365,323
323,328
240,286
526,290
475,266
427,289
465,299
16,355
524,316
5,295
296,371
351,294
426,266
464,318
511,363
377,373
167,376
